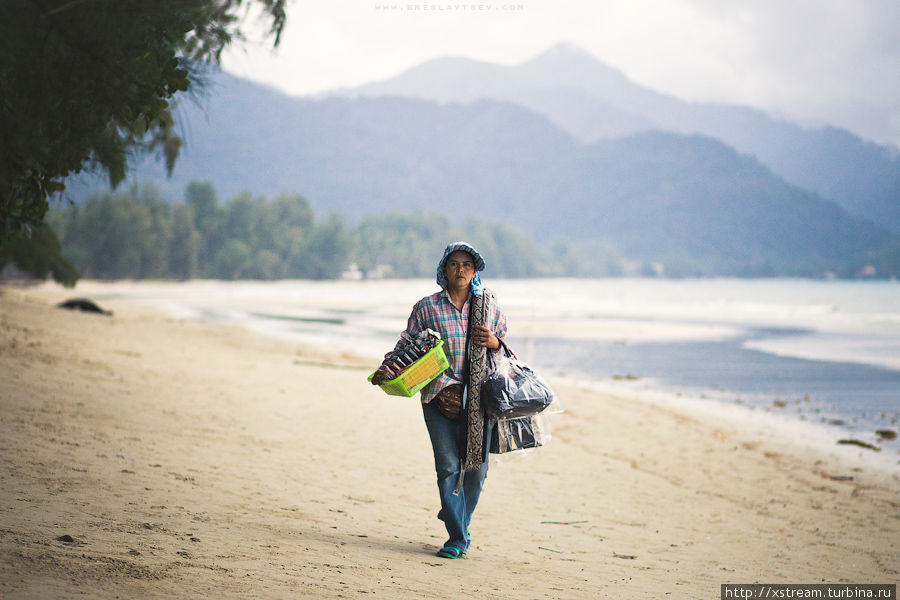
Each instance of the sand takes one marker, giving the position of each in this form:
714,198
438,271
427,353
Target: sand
196,460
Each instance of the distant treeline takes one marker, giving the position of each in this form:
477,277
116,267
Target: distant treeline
136,234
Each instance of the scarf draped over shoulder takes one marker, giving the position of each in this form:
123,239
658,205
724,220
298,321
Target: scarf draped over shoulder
479,309
479,312
482,304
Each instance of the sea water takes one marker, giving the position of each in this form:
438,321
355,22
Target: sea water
823,352
819,352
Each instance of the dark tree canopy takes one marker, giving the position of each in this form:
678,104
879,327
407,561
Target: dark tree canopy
87,84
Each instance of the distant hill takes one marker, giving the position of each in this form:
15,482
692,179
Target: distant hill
675,199
690,203
593,101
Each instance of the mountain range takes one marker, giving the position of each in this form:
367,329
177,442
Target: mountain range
564,149
594,101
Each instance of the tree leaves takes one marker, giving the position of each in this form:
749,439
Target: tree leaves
136,234
88,84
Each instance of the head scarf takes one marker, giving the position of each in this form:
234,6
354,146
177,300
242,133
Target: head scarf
476,285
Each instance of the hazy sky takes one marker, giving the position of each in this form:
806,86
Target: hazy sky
836,61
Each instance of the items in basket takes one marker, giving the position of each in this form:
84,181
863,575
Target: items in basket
413,364
408,350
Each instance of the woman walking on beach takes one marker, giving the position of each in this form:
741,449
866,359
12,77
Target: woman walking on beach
469,321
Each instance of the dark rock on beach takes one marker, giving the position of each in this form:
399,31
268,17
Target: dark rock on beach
84,305
860,444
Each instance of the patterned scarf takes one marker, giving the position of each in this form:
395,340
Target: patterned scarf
478,372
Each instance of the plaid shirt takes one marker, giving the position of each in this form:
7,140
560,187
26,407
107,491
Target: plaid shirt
438,312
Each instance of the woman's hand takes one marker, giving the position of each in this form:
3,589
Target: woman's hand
484,337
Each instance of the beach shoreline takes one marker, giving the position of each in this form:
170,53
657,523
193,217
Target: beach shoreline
673,356
190,459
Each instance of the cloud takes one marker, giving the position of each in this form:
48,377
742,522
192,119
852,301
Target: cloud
830,61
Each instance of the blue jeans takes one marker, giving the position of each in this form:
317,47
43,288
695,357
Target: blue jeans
456,510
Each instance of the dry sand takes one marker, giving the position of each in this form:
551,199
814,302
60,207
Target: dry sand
193,460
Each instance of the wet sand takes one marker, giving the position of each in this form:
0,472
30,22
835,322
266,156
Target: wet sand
187,459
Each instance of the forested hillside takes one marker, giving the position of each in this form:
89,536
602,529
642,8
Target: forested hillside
670,203
135,234
593,101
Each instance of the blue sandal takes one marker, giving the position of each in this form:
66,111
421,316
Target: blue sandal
450,552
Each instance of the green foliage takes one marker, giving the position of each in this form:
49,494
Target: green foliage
511,254
184,244
89,83
135,234
327,250
39,254
410,243
584,259
407,243
201,198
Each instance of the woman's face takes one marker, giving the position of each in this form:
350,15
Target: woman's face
459,269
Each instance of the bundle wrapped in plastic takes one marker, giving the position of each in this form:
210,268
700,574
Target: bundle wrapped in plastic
514,390
520,434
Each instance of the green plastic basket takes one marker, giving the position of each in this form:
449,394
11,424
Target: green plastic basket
418,375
